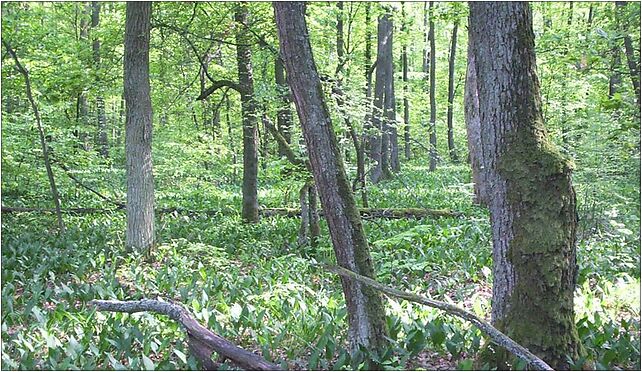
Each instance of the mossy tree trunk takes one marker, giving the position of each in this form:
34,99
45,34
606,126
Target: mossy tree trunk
138,128
365,308
250,209
532,206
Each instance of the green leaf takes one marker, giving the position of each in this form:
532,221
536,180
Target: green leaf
149,365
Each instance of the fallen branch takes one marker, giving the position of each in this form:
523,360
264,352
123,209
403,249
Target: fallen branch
497,336
201,340
386,213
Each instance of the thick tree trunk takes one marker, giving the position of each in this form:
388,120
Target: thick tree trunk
138,129
451,93
365,308
250,210
433,107
284,114
103,141
41,133
406,105
473,131
533,216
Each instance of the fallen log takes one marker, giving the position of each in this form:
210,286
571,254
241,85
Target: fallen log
386,213
201,340
495,335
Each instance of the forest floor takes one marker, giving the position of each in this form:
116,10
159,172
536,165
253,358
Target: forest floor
255,286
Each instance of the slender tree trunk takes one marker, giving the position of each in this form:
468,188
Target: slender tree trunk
138,128
379,141
41,133
313,210
473,131
103,141
532,206
632,61
365,308
433,107
406,106
451,93
250,210
83,109
367,125
284,114
615,79
230,138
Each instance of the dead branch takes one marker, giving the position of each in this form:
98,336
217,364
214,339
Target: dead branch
497,336
202,341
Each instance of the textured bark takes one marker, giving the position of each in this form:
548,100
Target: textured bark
367,123
284,114
406,105
451,93
250,209
138,129
532,206
365,309
473,131
103,141
41,133
83,110
433,105
380,139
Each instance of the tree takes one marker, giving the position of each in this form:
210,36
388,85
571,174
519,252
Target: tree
250,209
404,64
138,128
41,133
433,107
451,92
365,309
383,99
473,131
103,142
532,206
631,60
284,114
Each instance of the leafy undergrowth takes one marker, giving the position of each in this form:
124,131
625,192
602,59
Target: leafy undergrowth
256,287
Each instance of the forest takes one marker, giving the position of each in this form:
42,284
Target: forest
320,185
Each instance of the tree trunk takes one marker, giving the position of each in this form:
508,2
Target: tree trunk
634,67
473,131
615,79
83,110
379,141
41,133
532,206
433,108
406,106
284,114
250,210
451,93
138,129
103,141
365,308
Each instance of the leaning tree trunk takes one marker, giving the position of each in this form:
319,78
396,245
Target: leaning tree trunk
41,132
138,129
532,206
632,61
250,210
433,105
451,93
103,142
365,308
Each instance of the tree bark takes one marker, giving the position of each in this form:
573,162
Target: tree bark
451,93
365,309
406,105
250,210
532,206
83,111
41,133
284,114
138,129
473,131
433,107
103,141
